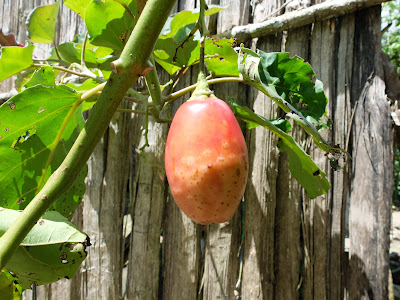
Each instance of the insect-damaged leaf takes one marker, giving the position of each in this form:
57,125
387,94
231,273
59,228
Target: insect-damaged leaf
34,139
52,250
301,166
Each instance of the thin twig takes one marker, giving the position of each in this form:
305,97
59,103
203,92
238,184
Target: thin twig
63,69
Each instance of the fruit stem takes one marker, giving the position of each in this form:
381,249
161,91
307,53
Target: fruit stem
202,90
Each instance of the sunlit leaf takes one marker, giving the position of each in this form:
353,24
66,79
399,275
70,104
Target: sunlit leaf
44,76
301,166
41,23
220,57
107,21
30,123
8,291
14,60
52,250
99,57
184,18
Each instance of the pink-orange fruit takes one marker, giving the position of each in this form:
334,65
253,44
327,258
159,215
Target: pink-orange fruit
206,160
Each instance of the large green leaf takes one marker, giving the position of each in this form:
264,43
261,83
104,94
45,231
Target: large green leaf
302,167
14,60
291,83
34,139
52,250
107,21
41,23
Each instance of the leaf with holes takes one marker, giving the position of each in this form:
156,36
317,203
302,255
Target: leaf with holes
291,83
37,128
53,249
301,166
108,22
14,60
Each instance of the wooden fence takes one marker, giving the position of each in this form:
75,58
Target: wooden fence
280,244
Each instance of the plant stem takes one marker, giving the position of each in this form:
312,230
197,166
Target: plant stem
62,69
190,88
130,66
203,32
153,85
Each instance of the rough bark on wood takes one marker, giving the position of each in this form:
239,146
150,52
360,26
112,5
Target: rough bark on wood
302,17
222,241
288,202
258,277
340,107
147,211
372,179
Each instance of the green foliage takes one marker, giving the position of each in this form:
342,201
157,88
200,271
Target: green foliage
14,60
301,165
391,38
107,22
38,127
9,288
53,249
41,23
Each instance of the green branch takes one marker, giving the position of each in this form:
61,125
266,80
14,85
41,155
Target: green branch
129,67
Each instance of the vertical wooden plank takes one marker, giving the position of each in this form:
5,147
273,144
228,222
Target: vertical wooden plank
182,250
260,197
222,241
258,277
372,165
288,202
147,211
103,210
315,211
341,115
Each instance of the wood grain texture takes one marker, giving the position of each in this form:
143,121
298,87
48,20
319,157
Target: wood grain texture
371,188
280,244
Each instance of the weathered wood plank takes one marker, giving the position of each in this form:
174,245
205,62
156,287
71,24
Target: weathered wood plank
288,202
147,211
372,170
258,278
340,107
222,241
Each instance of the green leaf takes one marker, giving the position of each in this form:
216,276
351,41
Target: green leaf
52,250
176,49
14,60
41,23
7,290
30,123
301,166
290,82
95,57
108,23
220,57
44,76
178,22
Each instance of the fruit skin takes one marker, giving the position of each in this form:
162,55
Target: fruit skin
206,160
